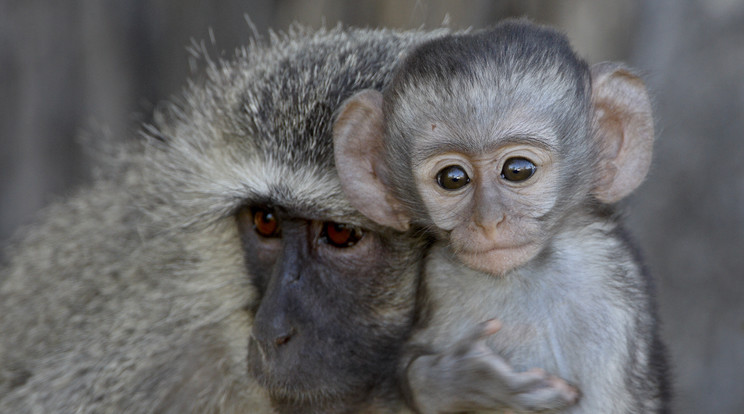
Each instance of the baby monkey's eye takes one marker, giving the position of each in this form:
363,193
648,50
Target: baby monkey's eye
518,169
452,177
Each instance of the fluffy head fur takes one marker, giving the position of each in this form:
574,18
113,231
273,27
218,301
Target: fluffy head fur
481,77
131,295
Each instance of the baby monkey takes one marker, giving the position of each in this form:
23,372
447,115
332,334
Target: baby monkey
511,150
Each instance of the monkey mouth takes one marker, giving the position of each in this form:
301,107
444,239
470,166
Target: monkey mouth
492,249
499,259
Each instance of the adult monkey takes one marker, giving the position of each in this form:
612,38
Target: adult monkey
133,295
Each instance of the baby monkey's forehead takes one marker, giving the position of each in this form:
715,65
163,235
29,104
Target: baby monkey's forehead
475,136
474,114
490,91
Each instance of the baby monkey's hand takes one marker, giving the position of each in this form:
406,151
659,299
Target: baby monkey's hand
471,376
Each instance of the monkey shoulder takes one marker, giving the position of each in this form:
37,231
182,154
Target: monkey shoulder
54,275
92,294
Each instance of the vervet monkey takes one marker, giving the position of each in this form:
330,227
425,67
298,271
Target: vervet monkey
511,150
161,288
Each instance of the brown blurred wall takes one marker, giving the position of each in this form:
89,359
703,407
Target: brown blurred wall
72,67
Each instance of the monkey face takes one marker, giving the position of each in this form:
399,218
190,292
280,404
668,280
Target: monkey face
336,303
491,202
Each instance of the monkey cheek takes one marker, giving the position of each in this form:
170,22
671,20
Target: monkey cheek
498,262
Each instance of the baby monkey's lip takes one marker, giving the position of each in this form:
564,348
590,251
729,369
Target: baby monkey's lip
492,248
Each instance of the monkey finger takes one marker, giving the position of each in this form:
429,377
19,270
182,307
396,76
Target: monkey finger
490,327
497,366
481,331
474,341
554,395
520,382
538,381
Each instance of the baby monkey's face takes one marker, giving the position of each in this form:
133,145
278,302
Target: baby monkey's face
489,197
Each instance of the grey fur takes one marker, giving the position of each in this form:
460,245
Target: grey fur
582,311
536,69
131,295
582,308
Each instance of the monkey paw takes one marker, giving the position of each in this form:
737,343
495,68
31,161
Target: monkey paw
471,376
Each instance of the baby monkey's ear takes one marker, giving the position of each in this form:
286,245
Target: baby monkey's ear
624,130
358,133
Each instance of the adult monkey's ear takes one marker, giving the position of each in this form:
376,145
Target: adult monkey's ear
358,133
624,130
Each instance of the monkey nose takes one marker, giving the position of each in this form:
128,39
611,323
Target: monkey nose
488,224
268,344
273,333
283,338
276,338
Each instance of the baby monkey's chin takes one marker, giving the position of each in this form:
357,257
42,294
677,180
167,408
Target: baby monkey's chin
500,260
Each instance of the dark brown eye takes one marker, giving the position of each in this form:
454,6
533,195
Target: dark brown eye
341,235
518,169
452,177
265,223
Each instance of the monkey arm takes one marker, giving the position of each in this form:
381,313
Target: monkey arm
471,376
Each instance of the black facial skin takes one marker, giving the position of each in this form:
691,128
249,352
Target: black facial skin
317,329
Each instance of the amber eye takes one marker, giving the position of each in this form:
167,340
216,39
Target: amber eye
265,223
518,169
452,177
341,235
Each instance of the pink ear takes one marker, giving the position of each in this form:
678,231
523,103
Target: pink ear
625,130
358,148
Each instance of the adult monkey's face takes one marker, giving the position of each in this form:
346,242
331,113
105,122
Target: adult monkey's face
336,295
336,304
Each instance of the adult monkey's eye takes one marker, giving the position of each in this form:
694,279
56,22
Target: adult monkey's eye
452,177
265,223
341,235
518,169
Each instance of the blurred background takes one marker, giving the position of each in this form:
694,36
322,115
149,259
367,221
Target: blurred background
87,67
